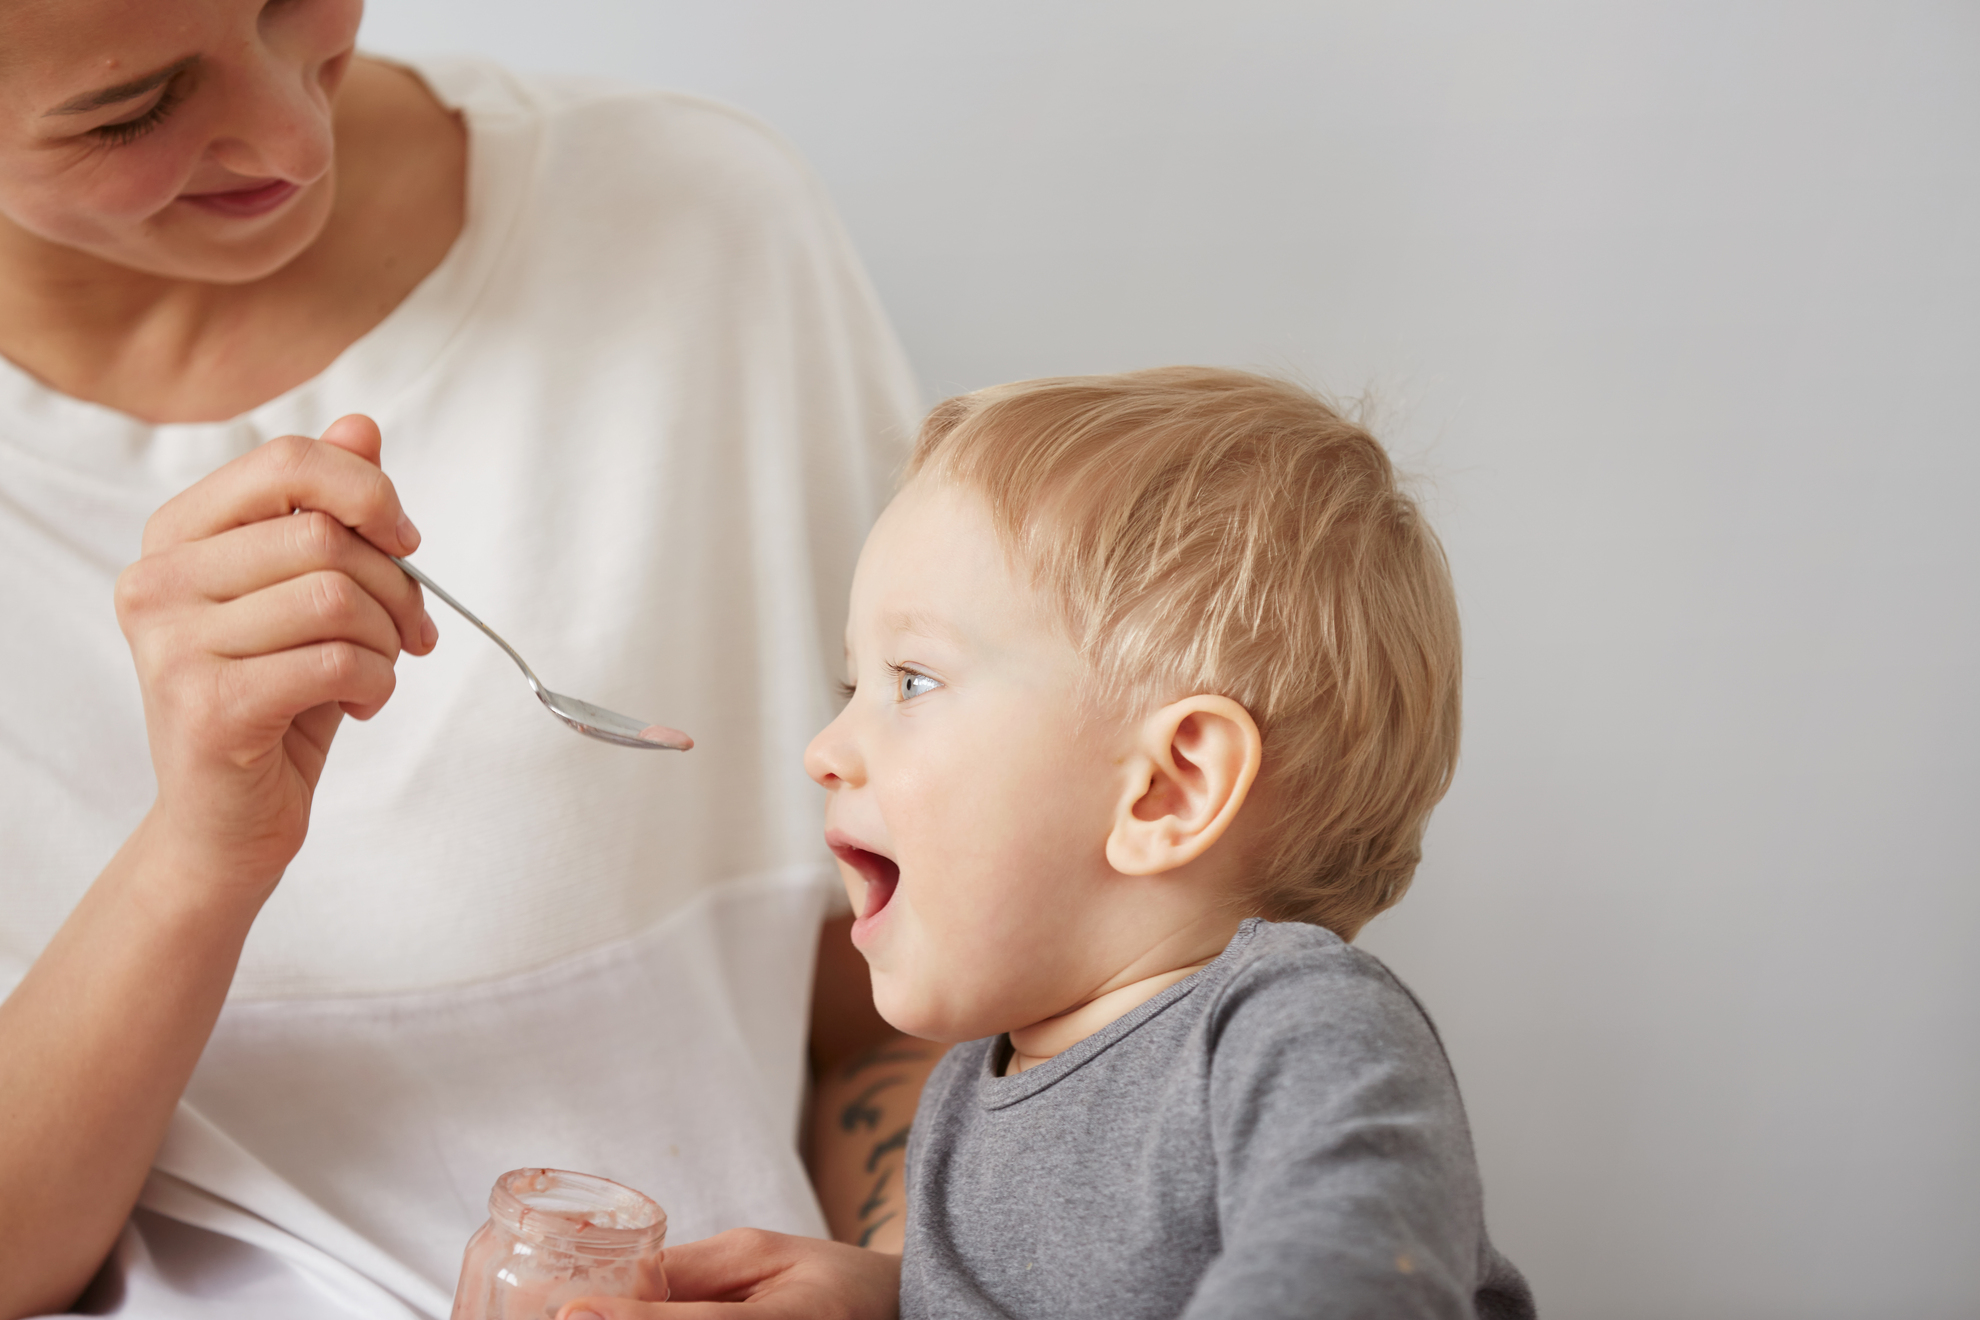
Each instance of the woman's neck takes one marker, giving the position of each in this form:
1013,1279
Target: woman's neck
169,350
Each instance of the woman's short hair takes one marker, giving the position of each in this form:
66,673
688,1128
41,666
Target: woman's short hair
1221,532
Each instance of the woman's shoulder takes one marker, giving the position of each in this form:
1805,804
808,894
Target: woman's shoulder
602,140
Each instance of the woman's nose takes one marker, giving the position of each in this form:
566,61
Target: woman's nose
277,123
832,759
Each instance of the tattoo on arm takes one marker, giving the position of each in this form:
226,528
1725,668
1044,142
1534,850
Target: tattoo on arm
877,1197
874,1057
866,1234
864,1117
862,1112
885,1148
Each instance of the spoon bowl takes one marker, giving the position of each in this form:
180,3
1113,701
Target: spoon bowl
610,726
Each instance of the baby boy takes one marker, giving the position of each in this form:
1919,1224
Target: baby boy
1155,683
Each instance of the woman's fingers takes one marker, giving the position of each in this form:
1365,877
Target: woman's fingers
254,558
301,611
358,434
258,698
232,715
286,474
777,1276
731,1265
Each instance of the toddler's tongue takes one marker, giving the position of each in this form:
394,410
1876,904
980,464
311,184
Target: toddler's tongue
881,877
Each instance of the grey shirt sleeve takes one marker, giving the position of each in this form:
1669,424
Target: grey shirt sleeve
1346,1181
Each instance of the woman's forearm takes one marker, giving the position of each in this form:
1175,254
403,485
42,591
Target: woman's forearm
96,1046
860,1117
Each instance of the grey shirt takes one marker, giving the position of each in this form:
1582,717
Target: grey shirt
1279,1134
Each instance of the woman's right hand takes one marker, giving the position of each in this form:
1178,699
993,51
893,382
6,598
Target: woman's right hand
255,632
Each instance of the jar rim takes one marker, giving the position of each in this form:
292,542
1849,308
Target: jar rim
577,1210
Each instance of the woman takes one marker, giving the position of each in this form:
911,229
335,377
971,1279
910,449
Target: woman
643,405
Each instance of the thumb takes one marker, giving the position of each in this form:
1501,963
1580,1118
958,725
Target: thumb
621,1308
358,434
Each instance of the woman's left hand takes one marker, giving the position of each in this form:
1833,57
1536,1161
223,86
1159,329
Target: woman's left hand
784,1277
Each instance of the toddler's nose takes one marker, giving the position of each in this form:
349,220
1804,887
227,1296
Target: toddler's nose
832,759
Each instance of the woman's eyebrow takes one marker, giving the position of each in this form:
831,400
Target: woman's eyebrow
123,91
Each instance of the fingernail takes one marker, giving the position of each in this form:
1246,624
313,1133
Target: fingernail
583,1315
429,631
408,534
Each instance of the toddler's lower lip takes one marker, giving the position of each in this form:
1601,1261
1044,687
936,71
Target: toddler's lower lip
244,202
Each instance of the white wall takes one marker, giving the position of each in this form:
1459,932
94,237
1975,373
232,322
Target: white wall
1675,305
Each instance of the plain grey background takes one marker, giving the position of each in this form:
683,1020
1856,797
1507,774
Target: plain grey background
1673,307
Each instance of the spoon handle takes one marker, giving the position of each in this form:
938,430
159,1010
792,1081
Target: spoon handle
469,615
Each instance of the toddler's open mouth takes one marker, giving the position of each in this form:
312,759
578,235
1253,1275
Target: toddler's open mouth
881,874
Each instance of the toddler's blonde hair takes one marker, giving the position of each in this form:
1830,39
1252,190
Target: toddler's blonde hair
1221,532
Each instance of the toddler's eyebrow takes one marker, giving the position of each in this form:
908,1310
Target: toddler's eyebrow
922,624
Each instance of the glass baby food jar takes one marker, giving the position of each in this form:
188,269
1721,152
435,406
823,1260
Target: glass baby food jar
552,1237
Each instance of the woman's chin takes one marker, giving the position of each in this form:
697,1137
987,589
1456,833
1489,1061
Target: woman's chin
212,255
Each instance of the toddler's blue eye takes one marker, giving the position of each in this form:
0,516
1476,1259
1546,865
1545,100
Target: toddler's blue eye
913,684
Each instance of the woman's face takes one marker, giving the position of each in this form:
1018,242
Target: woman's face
185,138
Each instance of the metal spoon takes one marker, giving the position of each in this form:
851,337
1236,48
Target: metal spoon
592,721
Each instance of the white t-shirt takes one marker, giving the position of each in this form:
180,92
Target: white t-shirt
643,413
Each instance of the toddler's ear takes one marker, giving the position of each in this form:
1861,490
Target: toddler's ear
1193,763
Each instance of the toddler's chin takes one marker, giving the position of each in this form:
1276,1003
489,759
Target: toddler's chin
926,1017
910,1013
900,1010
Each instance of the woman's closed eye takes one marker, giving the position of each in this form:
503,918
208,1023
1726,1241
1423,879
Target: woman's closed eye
130,130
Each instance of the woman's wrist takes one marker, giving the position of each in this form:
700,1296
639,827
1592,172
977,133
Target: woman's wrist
176,868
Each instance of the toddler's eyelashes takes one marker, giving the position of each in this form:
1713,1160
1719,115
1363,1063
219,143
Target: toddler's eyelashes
908,684
911,683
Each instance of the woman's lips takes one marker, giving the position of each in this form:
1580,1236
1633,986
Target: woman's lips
882,876
245,202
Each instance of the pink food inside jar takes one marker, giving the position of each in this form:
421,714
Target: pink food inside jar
554,1236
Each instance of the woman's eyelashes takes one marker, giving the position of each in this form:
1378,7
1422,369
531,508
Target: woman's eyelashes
130,130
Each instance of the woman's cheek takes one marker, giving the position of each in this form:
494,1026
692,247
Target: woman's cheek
121,186
144,193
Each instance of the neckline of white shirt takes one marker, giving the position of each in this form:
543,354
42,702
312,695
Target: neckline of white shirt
382,363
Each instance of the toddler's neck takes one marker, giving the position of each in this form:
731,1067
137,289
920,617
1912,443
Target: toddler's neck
1034,1044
